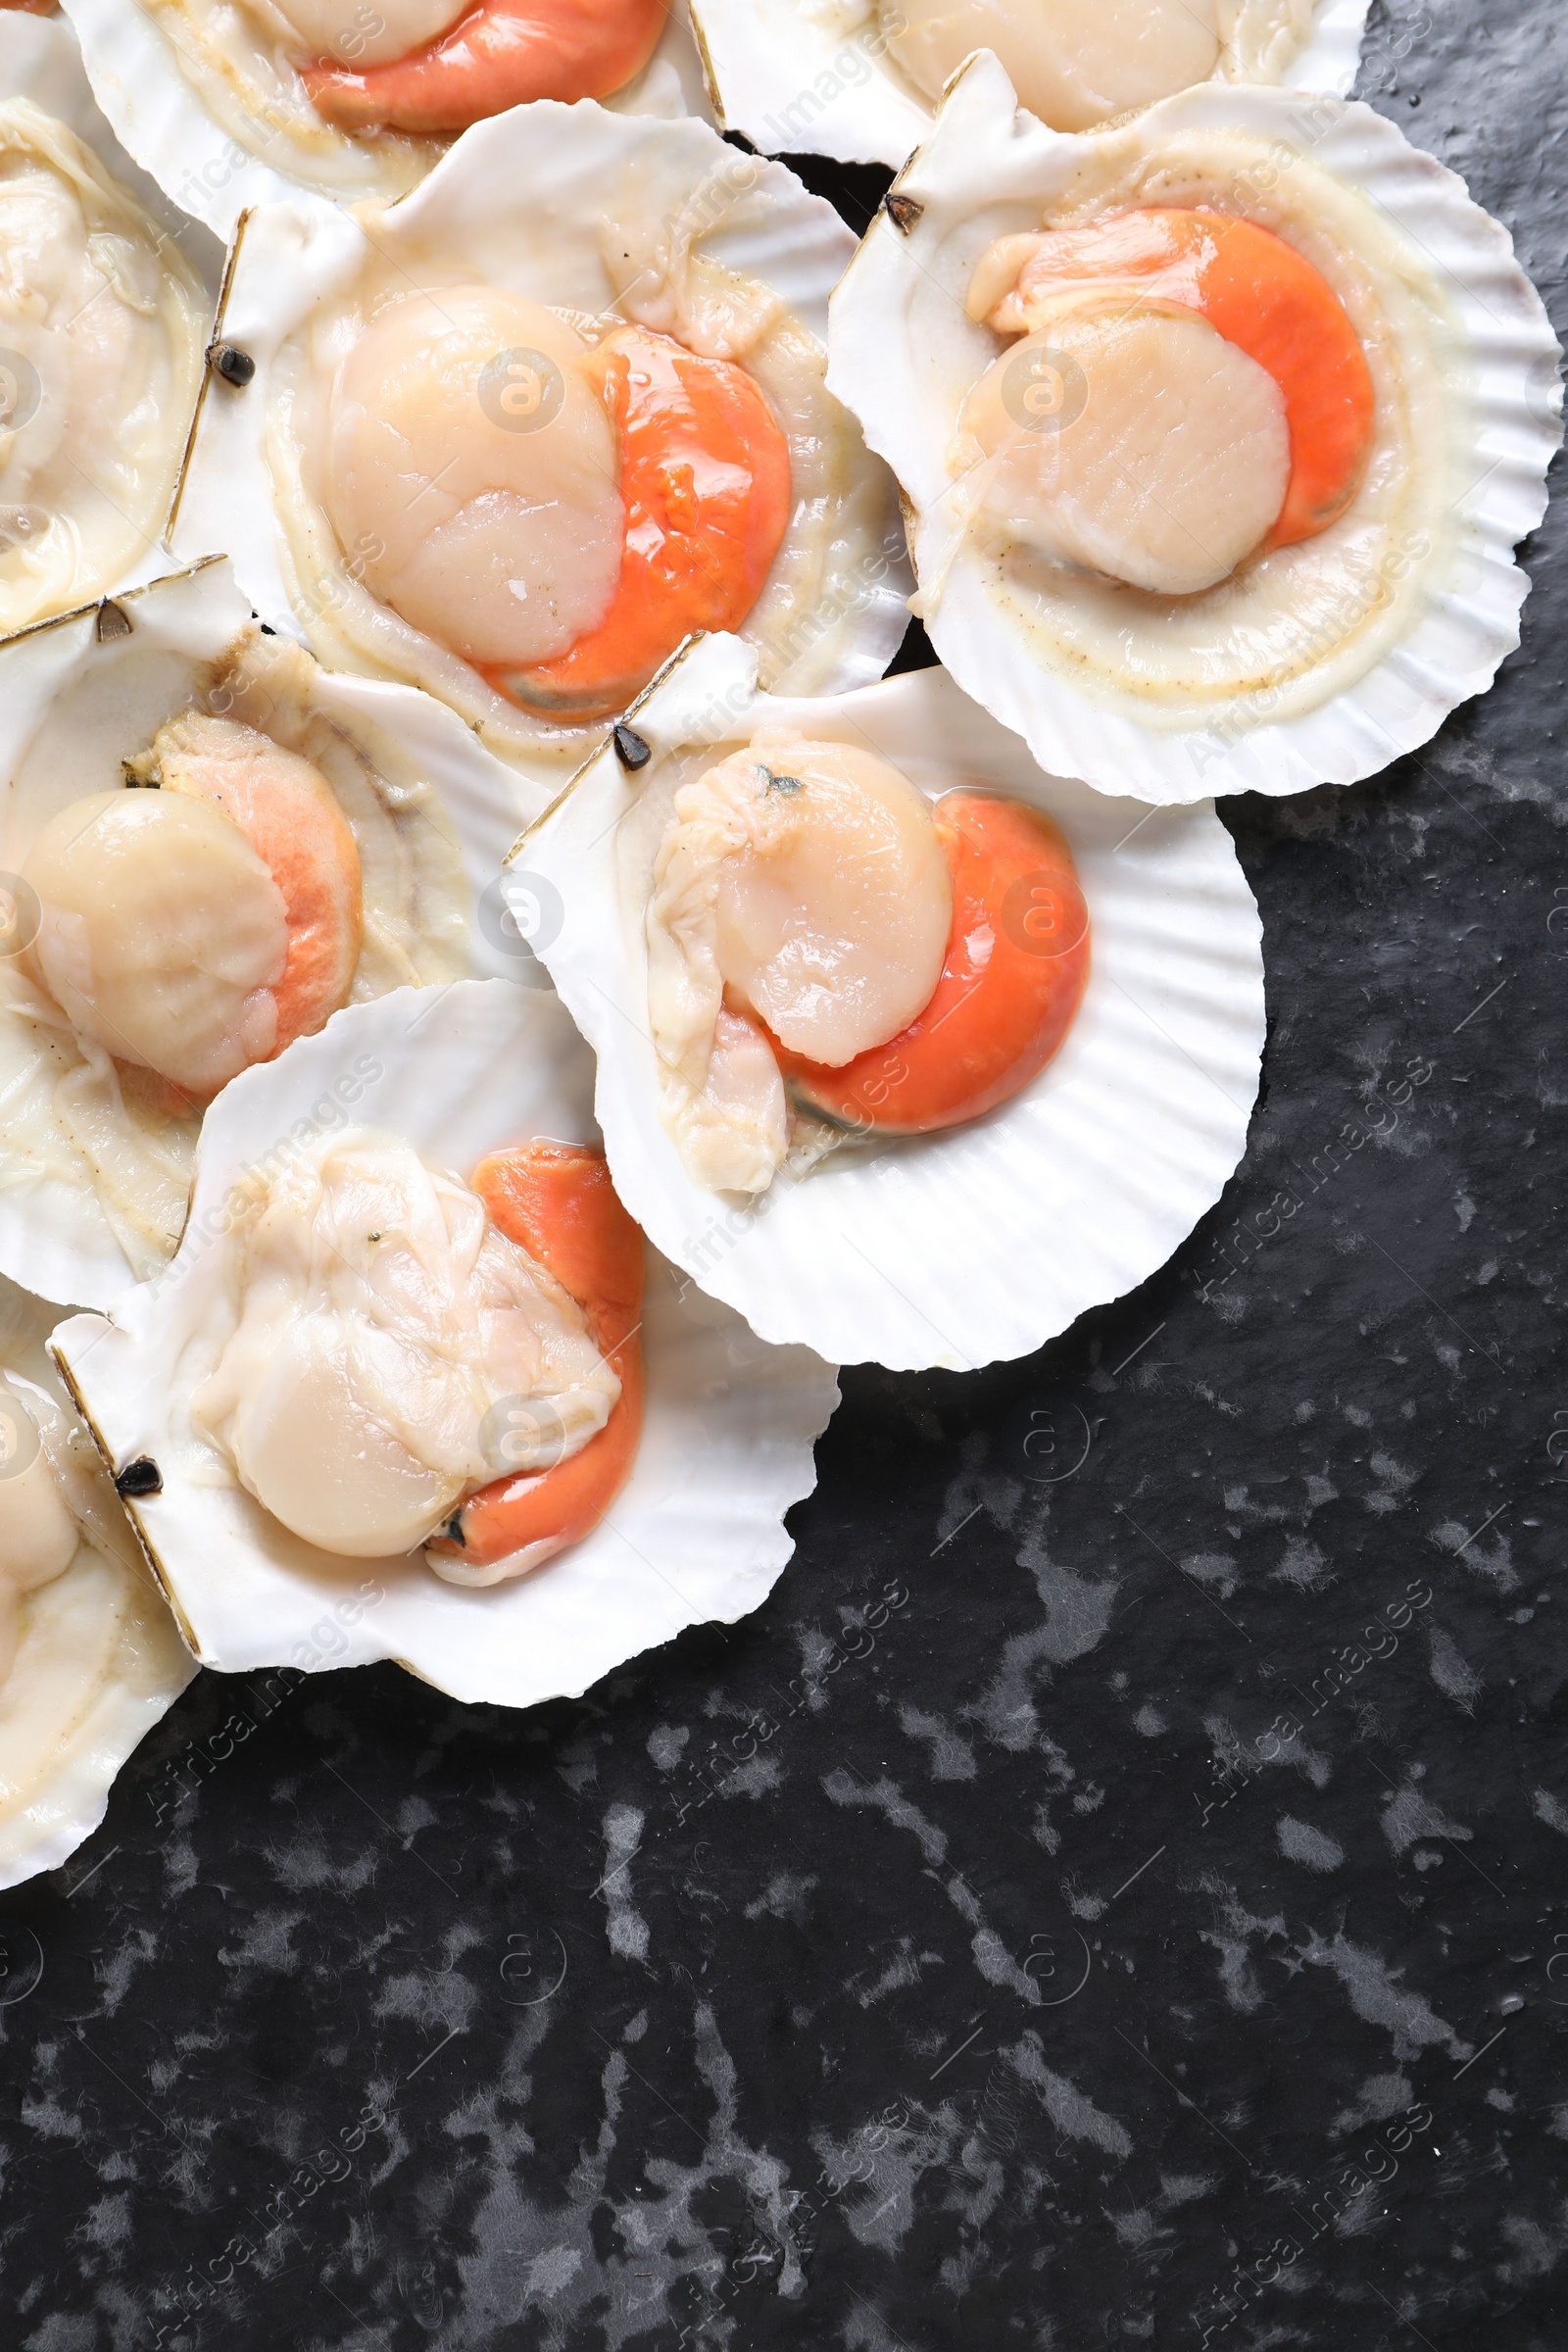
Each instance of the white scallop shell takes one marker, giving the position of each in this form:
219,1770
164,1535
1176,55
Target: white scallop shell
99,1661
984,1242
40,60
518,202
697,1533
160,115
805,78
74,703
989,166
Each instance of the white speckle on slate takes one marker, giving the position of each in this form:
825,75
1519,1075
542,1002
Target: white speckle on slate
1071,2110
625,1926
1546,1808
1408,1815
1313,1849
1451,1671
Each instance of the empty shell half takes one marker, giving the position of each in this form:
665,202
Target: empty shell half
104,316
414,1390
1065,1103
862,80
1218,425
515,438
207,846
89,1655
233,103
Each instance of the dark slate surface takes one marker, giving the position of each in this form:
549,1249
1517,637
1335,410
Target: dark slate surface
1115,1892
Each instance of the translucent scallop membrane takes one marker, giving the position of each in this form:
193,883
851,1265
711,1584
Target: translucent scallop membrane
984,1240
96,1155
1317,662
862,80
696,1534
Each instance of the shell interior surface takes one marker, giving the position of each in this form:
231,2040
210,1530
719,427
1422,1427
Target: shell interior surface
89,1655
1265,665
592,225
103,322
40,58
862,80
209,97
980,1243
454,1074
412,818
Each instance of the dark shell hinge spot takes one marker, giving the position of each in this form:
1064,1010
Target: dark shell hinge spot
904,211
113,621
631,749
140,1477
234,365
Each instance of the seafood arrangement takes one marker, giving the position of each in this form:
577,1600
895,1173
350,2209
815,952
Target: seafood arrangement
500,994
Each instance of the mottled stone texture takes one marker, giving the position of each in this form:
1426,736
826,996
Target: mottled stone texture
1116,1892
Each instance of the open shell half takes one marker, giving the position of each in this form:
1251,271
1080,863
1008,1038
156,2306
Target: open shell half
98,1658
983,1241
1315,663
602,217
106,298
698,1531
823,76
215,110
96,1168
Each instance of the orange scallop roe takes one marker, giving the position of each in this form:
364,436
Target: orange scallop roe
555,1200
502,54
1268,300
705,477
1013,978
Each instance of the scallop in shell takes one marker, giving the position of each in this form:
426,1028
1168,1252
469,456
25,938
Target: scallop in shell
951,1247
103,321
592,344
208,844
439,1080
862,80
1218,426
89,1655
233,103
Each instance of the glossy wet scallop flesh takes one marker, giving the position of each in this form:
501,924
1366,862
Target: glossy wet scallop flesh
476,468
386,1331
351,32
196,928
38,1536
1073,62
800,893
162,934
1138,443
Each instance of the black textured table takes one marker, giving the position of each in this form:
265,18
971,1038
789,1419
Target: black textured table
1115,1892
